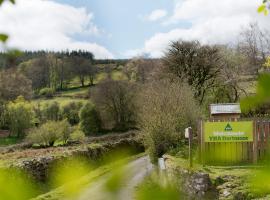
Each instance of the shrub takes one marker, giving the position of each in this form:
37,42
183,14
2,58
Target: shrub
71,112
20,116
89,119
167,108
51,111
50,132
77,135
47,92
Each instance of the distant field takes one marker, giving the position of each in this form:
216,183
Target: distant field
61,100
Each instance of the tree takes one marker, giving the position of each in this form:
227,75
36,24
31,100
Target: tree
196,64
14,84
20,116
166,108
115,101
82,65
139,69
228,88
255,45
38,71
89,119
71,111
51,111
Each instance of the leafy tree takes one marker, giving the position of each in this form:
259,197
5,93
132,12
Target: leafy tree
71,112
90,122
37,70
14,84
82,65
51,111
115,101
20,116
196,64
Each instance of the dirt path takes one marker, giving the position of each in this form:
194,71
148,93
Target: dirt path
135,172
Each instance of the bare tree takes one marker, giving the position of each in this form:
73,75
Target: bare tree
255,45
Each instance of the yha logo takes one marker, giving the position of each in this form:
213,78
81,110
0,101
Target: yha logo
228,127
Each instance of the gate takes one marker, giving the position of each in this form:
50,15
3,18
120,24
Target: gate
235,153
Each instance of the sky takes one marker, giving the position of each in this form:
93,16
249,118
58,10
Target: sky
125,28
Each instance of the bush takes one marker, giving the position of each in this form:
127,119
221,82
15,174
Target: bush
51,111
77,135
47,92
20,116
89,119
50,132
167,108
71,112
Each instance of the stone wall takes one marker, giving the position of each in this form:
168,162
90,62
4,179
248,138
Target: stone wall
39,167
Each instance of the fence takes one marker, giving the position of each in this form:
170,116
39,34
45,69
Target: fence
235,153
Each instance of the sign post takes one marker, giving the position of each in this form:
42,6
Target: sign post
188,134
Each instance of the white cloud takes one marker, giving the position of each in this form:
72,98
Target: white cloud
211,22
156,15
39,24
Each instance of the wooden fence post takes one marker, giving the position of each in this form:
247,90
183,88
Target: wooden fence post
202,143
255,143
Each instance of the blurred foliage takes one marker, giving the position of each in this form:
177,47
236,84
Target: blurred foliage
15,185
264,7
68,175
262,95
11,1
3,37
156,186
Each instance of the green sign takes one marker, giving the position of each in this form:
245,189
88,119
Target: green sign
228,131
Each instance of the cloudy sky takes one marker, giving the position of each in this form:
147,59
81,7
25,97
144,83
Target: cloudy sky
124,28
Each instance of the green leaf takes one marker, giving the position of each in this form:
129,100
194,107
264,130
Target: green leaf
1,1
261,8
3,37
12,1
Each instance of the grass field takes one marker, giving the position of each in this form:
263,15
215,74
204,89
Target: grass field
8,141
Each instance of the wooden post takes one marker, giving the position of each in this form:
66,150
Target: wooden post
202,143
190,147
188,134
255,143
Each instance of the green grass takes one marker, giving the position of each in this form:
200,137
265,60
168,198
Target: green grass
8,141
73,93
